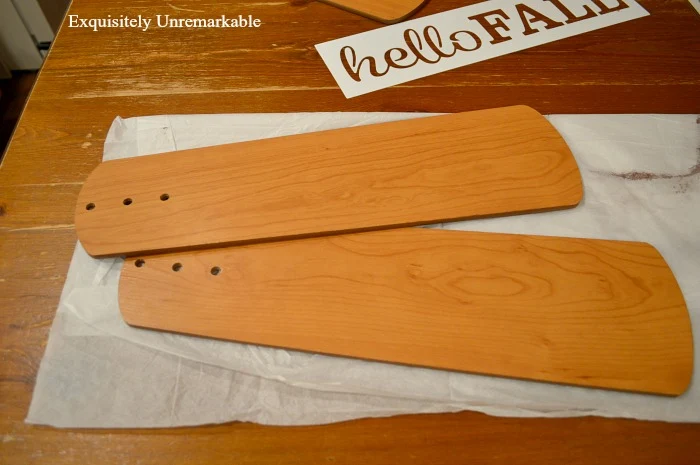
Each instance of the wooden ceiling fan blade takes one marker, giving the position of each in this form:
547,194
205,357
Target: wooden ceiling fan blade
406,173
384,11
585,312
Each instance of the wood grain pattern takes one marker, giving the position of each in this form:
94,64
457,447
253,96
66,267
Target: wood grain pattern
411,172
643,66
385,11
577,311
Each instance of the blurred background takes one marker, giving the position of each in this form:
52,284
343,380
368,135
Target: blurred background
27,29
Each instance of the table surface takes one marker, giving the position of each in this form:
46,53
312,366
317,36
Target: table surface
646,65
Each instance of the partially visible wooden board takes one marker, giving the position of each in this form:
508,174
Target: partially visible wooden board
404,173
385,11
586,312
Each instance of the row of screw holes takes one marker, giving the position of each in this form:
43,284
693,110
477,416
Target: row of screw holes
127,201
176,266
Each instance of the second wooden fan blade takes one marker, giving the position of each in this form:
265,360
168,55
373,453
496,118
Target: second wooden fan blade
578,311
419,171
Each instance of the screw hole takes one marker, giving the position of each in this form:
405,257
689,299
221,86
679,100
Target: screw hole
90,206
177,266
216,270
140,262
164,197
127,201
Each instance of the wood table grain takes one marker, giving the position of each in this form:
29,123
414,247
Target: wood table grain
646,65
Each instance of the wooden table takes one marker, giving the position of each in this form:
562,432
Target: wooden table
647,65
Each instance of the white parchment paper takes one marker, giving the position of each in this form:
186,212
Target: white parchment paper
641,177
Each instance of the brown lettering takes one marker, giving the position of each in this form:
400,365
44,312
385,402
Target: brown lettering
604,9
437,48
408,37
395,57
354,68
492,27
458,45
570,16
393,62
523,10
